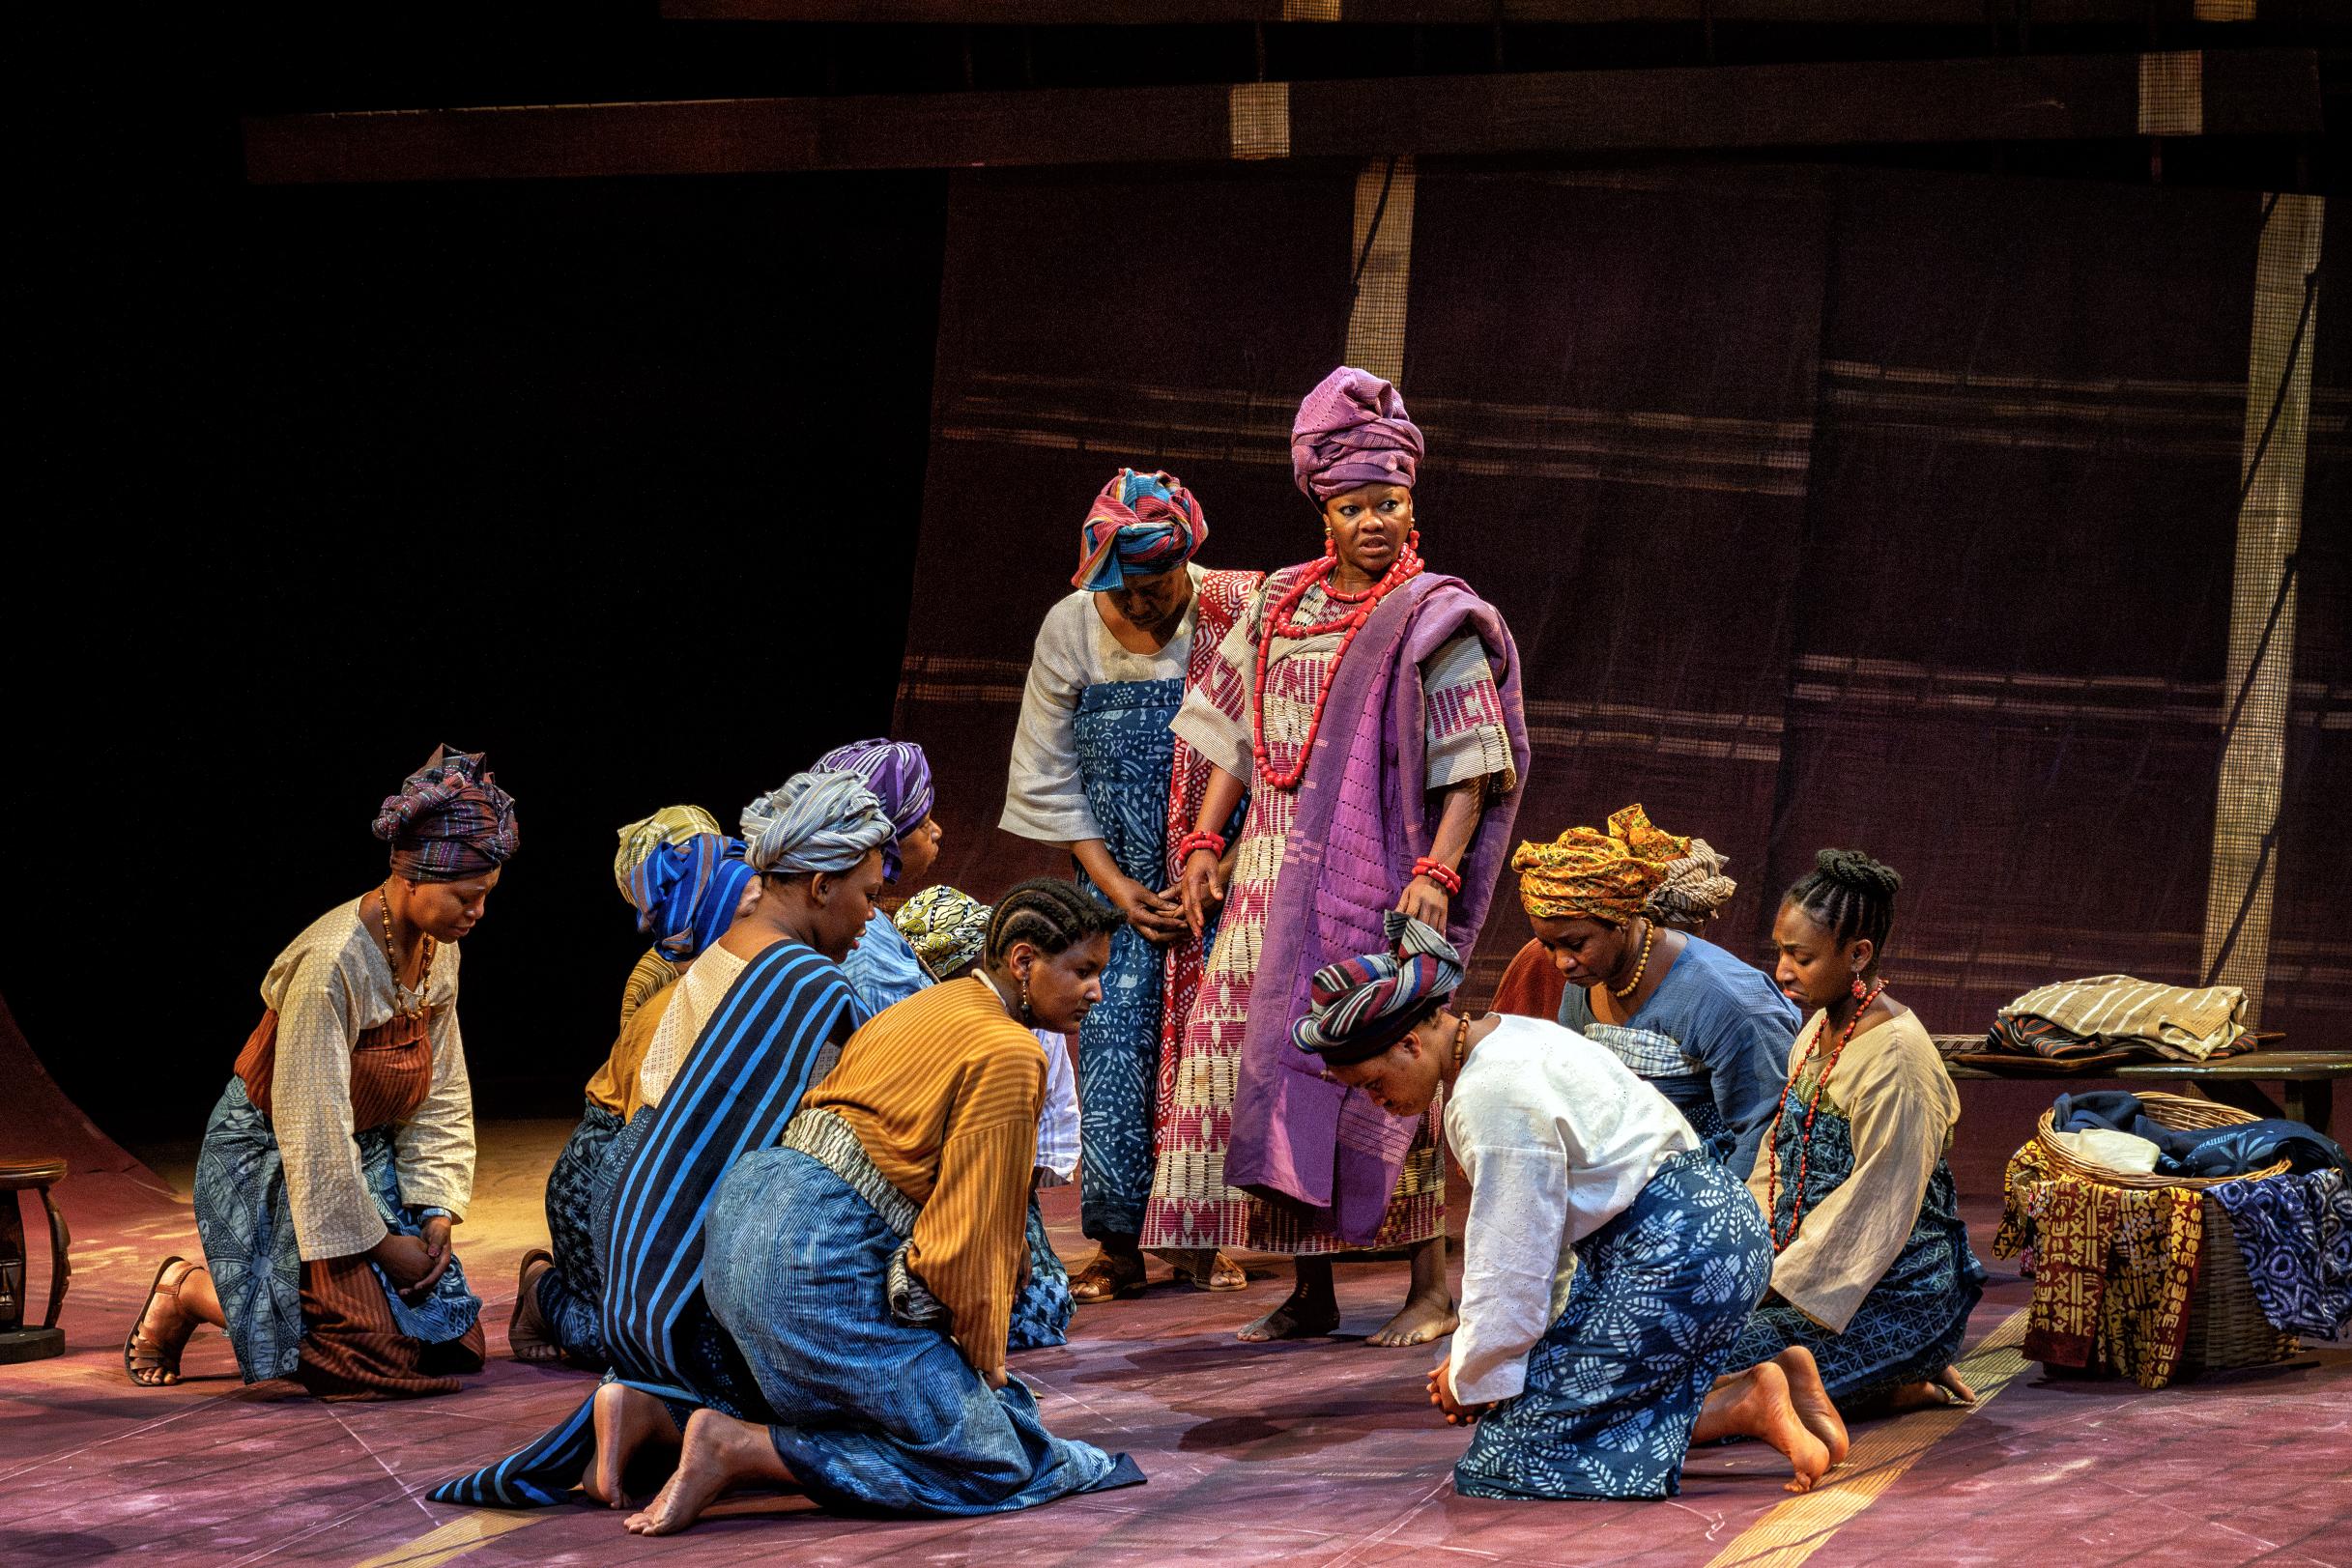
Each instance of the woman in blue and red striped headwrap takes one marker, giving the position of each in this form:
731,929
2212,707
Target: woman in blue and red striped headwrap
687,882
1097,771
341,1153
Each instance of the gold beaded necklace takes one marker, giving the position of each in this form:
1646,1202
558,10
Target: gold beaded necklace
1461,1041
407,1003
1650,937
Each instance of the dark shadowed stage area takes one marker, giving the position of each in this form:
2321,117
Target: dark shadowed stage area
1930,435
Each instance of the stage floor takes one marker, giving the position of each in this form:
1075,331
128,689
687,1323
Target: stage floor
1318,1452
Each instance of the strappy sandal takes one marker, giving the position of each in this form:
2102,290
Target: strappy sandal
1107,1279
143,1354
1222,1273
525,1330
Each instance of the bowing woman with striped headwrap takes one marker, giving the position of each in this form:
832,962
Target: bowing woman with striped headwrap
816,844
1608,1264
341,1153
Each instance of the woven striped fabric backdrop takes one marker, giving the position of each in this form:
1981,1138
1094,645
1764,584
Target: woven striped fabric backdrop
1829,507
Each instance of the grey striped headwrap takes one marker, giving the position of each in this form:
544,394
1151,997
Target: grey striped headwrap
815,823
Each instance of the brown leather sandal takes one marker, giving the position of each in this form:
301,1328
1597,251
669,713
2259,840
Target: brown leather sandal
1107,1279
526,1338
1222,1274
141,1354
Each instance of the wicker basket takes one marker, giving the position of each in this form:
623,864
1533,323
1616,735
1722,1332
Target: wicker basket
2226,1328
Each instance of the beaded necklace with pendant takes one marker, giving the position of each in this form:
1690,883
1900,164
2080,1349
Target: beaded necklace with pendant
407,1003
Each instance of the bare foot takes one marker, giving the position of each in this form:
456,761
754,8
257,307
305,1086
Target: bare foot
1813,1406
527,1336
1760,1407
1422,1318
719,1452
1942,1391
1301,1316
626,1421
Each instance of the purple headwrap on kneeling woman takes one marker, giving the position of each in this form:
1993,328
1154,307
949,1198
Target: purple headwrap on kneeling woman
899,776
449,821
1352,430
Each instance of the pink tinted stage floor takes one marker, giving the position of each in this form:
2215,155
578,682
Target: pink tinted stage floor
1318,1452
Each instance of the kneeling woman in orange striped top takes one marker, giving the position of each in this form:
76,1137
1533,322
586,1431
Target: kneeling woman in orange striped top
867,1268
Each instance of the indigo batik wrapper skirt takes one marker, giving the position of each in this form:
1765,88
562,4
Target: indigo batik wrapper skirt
1910,1326
1125,758
871,1415
336,1325
1041,1312
571,1293
1614,1386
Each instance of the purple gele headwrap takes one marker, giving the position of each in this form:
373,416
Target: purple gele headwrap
899,776
1142,524
1352,430
449,821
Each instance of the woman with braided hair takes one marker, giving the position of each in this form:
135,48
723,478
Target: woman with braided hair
1708,1032
1873,1272
866,1267
1608,1264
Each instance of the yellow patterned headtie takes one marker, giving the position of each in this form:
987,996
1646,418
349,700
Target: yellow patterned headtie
671,824
1600,876
946,926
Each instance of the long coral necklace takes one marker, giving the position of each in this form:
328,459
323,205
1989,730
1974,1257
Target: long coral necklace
1804,1149
1282,621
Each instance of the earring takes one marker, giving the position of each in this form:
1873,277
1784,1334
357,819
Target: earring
1331,544
1025,1014
1861,991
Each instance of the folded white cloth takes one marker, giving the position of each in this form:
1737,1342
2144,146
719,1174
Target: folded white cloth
2110,1150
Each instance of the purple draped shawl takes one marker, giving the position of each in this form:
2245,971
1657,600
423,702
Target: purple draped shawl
1363,816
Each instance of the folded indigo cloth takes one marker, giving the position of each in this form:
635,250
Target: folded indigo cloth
2236,1149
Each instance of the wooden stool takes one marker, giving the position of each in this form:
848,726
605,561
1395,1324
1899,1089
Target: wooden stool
17,1343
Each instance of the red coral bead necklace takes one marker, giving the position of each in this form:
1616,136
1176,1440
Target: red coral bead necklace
1804,1149
1282,621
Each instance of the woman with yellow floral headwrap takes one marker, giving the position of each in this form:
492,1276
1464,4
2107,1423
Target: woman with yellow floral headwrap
1711,1033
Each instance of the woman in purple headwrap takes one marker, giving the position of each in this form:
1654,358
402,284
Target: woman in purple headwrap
883,968
1097,771
341,1153
1370,710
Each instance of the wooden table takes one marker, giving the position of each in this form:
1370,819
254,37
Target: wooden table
2306,1079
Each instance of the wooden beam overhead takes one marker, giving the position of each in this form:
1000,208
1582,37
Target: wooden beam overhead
2049,98
1451,12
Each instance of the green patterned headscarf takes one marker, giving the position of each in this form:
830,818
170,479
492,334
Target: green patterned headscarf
946,928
